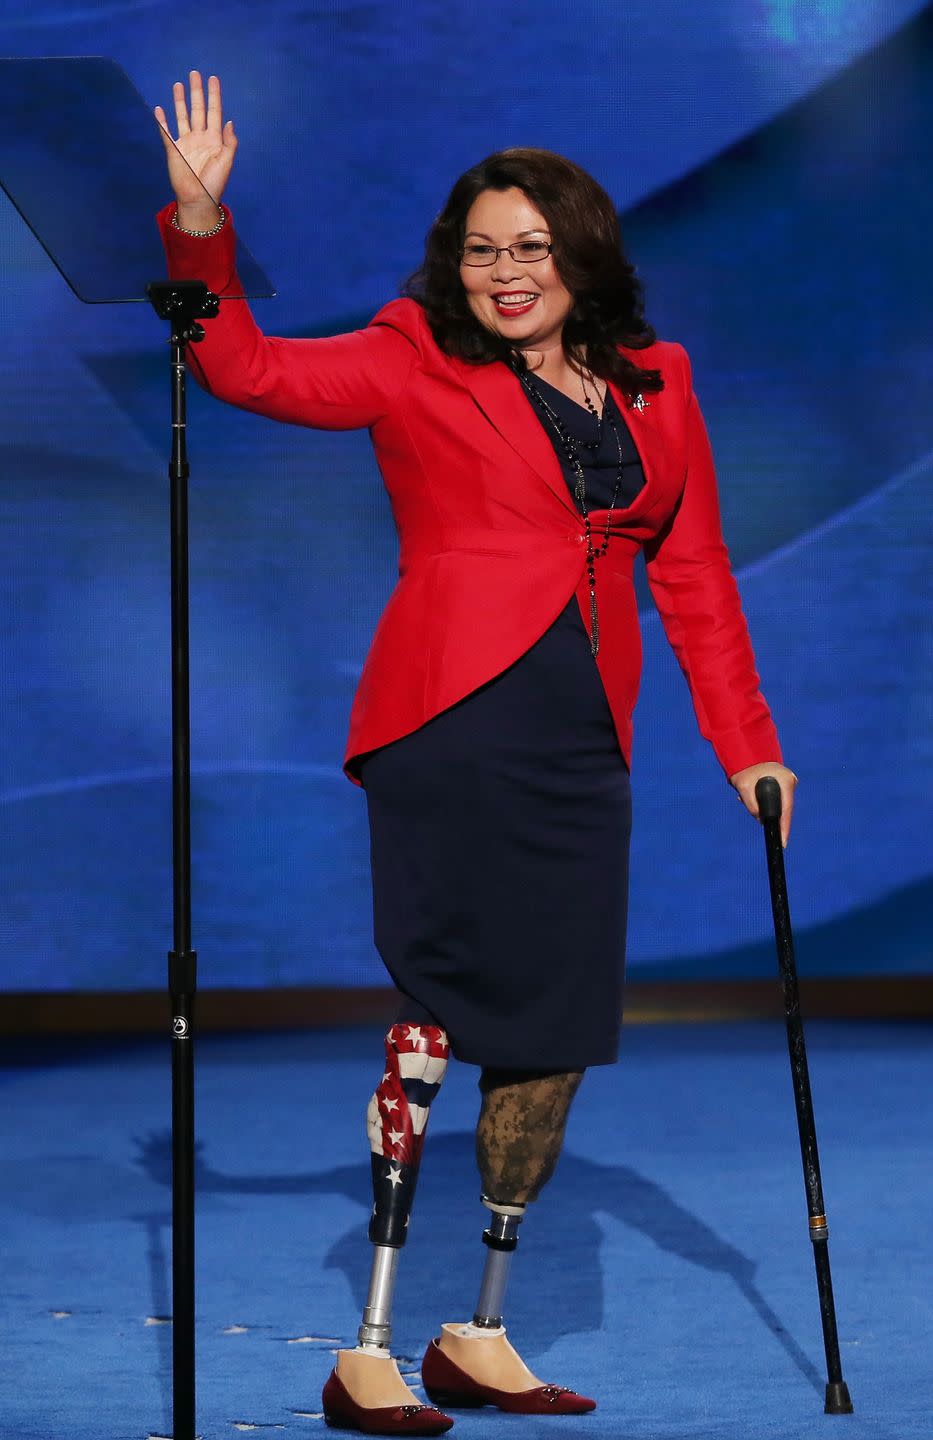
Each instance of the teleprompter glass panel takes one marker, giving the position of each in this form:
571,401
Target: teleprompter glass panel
82,159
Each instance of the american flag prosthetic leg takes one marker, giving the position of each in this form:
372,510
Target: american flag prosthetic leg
416,1062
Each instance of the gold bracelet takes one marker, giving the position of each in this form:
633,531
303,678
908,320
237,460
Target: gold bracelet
201,234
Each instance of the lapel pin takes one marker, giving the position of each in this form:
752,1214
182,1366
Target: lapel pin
640,403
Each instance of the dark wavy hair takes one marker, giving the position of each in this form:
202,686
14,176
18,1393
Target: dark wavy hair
608,301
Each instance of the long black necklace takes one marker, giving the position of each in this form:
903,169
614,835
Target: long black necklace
597,444
569,445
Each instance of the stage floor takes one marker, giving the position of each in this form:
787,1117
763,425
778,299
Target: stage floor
666,1270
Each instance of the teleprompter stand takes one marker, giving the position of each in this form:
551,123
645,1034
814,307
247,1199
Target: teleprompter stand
93,210
184,304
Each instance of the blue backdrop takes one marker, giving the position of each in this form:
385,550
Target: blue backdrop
771,160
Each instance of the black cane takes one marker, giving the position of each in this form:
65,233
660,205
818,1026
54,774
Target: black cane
182,303
768,795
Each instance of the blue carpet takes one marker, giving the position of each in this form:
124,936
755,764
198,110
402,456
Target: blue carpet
665,1270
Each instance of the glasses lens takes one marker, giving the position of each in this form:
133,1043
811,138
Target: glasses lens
474,254
530,250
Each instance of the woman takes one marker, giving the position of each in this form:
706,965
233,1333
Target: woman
534,437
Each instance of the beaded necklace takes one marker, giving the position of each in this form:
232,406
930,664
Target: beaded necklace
597,444
569,444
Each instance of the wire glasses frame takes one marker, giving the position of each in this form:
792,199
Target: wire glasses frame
523,252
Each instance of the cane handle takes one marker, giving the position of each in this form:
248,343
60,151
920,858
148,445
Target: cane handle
768,795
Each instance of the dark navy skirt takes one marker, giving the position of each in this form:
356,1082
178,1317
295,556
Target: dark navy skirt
500,836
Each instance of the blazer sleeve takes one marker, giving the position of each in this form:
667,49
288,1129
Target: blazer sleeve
695,592
341,382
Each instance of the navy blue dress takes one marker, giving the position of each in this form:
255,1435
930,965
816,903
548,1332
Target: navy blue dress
499,839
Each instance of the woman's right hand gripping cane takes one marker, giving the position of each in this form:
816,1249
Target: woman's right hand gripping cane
203,151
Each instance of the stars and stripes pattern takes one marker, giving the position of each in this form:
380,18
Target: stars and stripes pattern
416,1061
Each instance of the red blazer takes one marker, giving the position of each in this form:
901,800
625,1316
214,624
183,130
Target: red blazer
492,546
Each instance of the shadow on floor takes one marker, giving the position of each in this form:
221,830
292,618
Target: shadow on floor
446,1206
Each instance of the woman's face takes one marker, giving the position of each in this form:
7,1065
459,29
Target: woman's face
526,302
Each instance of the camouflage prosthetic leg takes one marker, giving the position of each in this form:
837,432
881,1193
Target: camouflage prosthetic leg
518,1141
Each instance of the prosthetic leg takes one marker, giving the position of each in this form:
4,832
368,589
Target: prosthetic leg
416,1062
501,1237
365,1390
518,1141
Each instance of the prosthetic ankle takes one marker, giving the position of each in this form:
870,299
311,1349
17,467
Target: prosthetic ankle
501,1238
416,1062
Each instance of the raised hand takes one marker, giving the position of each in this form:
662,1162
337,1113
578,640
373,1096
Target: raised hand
203,151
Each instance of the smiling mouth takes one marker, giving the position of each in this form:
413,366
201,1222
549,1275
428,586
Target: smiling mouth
517,302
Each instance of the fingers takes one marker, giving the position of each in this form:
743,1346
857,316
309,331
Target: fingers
214,115
198,112
745,794
181,109
204,115
787,807
160,116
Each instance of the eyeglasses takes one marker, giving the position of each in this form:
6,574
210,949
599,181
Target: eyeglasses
523,252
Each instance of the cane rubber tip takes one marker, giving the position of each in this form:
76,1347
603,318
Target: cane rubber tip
837,1399
768,795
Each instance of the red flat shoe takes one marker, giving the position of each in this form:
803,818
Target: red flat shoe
342,1412
447,1384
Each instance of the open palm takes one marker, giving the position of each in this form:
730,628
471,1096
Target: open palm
205,147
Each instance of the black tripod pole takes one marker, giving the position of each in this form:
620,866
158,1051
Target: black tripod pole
768,795
182,303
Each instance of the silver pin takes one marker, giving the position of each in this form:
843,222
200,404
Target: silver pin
640,403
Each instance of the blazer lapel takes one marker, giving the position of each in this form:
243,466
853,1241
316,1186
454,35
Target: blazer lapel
646,426
499,395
